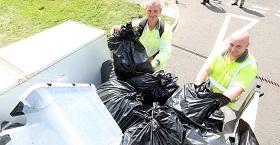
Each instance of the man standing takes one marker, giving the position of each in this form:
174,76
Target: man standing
156,35
241,3
231,72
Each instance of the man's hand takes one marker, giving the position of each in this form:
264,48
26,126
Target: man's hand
117,28
203,74
155,63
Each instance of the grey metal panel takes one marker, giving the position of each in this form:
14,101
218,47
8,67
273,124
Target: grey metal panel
78,65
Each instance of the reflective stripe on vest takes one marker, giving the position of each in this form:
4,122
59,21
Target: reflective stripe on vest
223,89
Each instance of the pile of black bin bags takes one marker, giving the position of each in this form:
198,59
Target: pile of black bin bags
150,108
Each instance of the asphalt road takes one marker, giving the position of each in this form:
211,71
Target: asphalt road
200,27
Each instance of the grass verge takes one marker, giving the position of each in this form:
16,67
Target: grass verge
22,18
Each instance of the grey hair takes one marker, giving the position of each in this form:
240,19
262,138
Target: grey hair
153,2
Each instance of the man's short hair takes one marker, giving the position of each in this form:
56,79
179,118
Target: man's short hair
154,2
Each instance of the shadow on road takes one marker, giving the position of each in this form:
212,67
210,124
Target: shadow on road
215,8
252,12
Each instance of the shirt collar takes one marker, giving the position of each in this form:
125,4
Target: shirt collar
158,24
240,58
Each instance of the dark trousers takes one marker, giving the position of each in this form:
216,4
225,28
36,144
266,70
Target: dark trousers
241,3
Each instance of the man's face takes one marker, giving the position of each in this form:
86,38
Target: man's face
237,47
153,12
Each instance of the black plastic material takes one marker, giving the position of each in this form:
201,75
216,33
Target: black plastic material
197,102
129,55
244,135
17,111
159,126
195,136
156,87
215,121
120,99
4,125
108,71
5,139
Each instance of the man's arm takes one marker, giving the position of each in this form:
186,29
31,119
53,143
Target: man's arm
233,92
243,81
203,73
164,46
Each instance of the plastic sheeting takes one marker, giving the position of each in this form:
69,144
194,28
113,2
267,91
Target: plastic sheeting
130,56
65,115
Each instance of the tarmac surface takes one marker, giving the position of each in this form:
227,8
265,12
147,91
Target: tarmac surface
199,30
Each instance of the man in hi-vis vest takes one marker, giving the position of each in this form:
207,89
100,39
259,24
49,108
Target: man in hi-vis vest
156,35
232,71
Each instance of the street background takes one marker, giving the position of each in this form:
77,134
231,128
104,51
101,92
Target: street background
197,31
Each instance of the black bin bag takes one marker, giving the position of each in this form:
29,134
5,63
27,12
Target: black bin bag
197,136
159,126
199,103
120,99
108,71
244,135
129,55
156,87
215,121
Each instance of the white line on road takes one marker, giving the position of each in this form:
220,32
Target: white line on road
259,11
247,27
259,7
221,35
229,3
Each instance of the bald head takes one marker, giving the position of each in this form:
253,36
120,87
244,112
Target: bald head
240,36
238,44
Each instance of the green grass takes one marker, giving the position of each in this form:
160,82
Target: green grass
22,18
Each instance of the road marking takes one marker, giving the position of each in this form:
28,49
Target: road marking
259,11
222,33
259,7
229,3
220,41
277,15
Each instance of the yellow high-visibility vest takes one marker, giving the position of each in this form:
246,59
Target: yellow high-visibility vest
154,43
225,74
